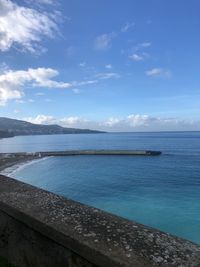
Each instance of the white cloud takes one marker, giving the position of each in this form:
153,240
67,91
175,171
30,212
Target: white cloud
154,72
139,120
96,79
147,44
12,82
132,122
73,121
46,2
82,83
76,91
104,41
49,2
142,46
108,66
127,26
42,78
82,64
65,122
107,75
158,72
25,27
136,57
7,92
111,122
41,119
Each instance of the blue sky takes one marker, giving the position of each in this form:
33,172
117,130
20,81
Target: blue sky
114,65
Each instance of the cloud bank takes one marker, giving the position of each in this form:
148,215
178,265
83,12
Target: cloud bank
130,123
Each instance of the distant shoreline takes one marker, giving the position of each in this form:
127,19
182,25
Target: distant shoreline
95,132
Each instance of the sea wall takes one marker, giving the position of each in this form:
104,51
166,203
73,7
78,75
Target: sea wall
91,152
39,228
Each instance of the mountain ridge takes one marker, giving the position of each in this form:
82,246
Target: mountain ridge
13,127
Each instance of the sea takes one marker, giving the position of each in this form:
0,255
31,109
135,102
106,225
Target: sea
158,191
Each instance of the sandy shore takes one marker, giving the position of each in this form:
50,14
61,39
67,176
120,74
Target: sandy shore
9,161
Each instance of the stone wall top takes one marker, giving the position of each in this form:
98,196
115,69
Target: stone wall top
100,237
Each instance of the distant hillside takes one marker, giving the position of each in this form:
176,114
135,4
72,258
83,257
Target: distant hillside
11,127
4,134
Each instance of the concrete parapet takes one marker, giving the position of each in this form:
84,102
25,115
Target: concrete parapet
39,228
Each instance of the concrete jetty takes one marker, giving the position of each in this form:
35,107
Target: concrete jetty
103,152
9,159
84,152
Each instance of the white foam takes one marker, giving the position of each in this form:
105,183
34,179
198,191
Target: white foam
20,166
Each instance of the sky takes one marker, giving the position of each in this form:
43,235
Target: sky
131,65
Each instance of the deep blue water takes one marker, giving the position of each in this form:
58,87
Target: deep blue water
161,191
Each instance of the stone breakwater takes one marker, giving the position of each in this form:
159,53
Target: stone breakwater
9,159
82,152
103,152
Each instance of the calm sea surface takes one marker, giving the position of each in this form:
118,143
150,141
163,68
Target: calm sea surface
161,191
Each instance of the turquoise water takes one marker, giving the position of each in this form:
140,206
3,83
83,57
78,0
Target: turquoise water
161,191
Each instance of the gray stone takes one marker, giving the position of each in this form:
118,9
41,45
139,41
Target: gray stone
84,235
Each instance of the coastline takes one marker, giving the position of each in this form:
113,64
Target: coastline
10,164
